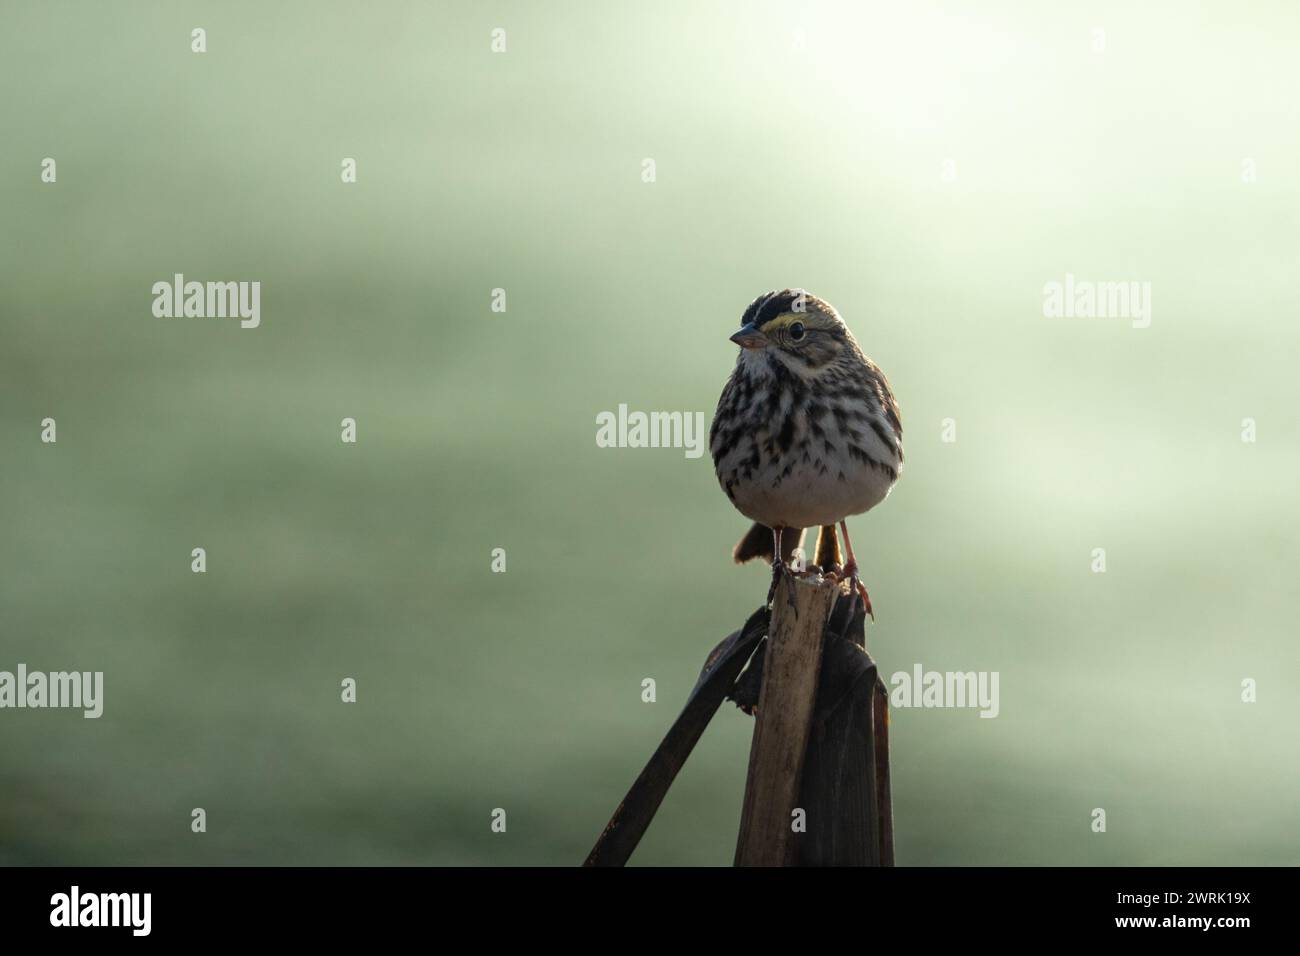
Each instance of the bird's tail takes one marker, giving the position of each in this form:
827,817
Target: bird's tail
757,543
828,548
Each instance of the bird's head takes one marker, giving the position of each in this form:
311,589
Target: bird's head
794,327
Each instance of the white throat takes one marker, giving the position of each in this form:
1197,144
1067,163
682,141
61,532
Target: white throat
756,363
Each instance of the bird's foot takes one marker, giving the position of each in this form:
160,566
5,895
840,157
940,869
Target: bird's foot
779,570
850,573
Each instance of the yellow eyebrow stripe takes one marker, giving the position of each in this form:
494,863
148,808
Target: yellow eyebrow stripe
784,320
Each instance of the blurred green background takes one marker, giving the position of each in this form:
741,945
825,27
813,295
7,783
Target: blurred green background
795,144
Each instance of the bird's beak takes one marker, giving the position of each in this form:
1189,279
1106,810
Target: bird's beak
748,337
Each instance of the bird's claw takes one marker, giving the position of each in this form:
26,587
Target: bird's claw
780,570
850,573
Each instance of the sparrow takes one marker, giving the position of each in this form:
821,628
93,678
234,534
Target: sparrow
806,433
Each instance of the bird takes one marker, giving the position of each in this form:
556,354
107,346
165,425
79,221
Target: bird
806,433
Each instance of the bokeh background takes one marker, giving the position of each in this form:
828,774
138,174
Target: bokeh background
795,144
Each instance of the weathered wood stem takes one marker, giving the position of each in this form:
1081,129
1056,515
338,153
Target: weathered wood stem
820,743
791,667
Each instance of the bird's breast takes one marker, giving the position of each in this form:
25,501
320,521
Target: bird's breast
812,465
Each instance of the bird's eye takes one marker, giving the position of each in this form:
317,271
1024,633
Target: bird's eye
797,332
